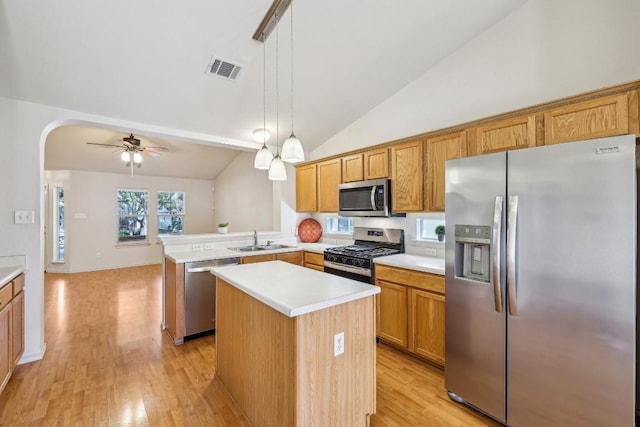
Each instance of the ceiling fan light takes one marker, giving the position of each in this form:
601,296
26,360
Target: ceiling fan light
137,158
125,156
277,171
292,151
263,158
261,135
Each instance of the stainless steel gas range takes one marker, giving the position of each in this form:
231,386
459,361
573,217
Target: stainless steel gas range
356,261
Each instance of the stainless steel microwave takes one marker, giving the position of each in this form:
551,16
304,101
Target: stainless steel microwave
365,198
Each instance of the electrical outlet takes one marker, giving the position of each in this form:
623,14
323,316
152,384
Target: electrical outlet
208,246
196,247
23,217
338,344
431,252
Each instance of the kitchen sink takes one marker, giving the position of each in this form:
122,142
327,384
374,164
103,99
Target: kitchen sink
253,248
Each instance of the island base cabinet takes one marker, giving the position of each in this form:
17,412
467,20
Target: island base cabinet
282,370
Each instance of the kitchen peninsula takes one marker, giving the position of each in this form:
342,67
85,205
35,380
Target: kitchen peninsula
279,349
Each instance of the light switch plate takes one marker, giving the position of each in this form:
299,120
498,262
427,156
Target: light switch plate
23,217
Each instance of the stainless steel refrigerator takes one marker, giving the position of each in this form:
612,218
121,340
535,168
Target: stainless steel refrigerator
541,283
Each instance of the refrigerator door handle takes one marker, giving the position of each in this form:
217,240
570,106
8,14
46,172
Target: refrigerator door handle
497,238
512,221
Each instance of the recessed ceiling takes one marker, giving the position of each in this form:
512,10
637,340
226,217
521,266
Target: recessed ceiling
145,61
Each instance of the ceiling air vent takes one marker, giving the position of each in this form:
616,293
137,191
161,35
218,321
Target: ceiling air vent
223,68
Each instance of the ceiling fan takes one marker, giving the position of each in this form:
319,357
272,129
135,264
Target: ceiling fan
131,150
131,144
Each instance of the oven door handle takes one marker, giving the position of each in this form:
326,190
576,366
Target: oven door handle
348,268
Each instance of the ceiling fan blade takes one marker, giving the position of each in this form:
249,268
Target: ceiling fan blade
156,149
104,145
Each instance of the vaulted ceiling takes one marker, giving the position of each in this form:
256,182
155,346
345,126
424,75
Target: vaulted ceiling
144,61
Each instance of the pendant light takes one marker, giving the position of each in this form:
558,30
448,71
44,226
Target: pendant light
263,156
277,171
292,150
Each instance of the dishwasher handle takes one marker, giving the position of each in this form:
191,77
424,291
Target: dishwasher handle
207,269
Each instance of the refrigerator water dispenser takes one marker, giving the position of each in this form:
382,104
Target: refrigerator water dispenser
473,252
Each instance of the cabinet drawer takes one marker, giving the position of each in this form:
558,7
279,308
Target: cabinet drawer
258,258
18,284
315,267
416,279
292,257
6,293
313,258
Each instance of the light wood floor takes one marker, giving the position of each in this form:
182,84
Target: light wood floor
107,363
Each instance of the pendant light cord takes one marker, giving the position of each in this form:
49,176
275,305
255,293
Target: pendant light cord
291,8
277,121
264,90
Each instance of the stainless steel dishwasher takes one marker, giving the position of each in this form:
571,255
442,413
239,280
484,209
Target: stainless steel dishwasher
200,295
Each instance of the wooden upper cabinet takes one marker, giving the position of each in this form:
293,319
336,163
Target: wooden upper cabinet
406,177
376,163
438,150
352,168
306,194
504,135
329,176
606,116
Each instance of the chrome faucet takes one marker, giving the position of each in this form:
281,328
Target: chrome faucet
255,238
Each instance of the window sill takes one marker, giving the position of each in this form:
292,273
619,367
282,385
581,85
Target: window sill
128,244
427,242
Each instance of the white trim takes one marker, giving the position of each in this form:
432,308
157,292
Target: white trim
28,358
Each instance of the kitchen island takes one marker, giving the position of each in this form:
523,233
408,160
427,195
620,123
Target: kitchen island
279,352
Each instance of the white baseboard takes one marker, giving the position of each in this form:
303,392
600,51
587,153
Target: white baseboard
27,358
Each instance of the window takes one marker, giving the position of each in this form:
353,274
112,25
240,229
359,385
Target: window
132,215
426,228
58,225
339,224
170,212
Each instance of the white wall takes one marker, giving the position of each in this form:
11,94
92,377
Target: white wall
91,224
545,50
244,196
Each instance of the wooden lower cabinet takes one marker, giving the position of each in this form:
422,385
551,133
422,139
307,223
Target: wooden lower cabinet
5,345
17,328
258,258
290,257
11,327
392,313
410,312
313,260
427,321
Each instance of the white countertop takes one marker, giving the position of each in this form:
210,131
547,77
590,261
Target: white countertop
291,289
218,253
413,262
315,247
8,273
